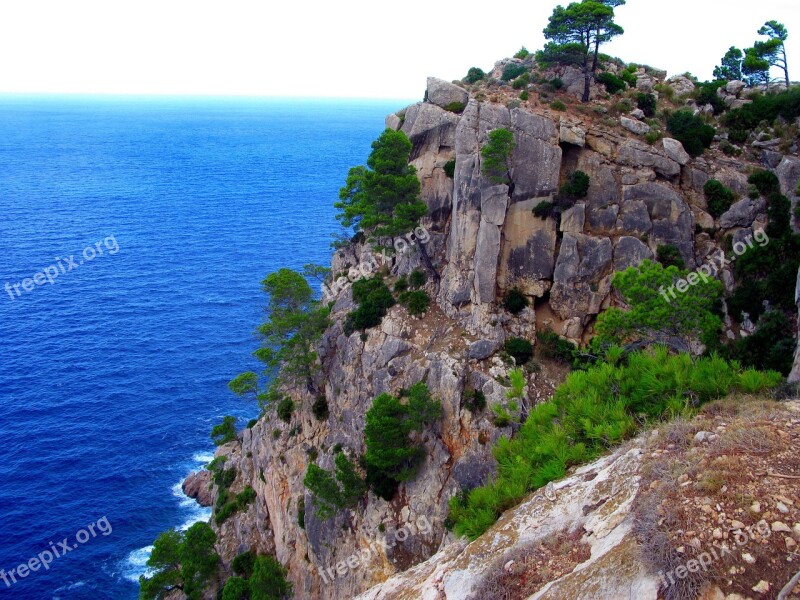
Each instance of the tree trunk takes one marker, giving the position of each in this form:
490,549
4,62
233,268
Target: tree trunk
587,77
786,67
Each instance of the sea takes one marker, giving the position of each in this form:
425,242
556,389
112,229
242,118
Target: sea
134,234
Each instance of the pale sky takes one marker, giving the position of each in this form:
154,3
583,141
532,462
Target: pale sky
345,48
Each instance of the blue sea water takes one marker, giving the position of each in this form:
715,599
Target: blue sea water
112,376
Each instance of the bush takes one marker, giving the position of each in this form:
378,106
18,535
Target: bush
521,350
556,84
691,131
629,76
391,458
374,299
416,302
766,182
268,581
450,168
474,75
455,107
543,209
552,345
243,564
236,588
524,96
613,83
669,256
522,53
417,279
331,492
653,136
320,408
719,198
770,346
474,400
401,285
576,187
706,93
496,154
516,301
764,108
285,409
592,411
647,103
224,432
251,423
521,81
558,105
512,71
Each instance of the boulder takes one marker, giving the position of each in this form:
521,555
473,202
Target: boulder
197,486
482,349
675,151
581,280
638,113
638,155
634,126
573,219
742,213
393,122
442,93
682,85
788,173
645,83
735,87
571,133
630,252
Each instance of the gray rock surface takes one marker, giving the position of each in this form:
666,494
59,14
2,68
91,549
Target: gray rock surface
742,213
630,252
675,151
634,126
442,92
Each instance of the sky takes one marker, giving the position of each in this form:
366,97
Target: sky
345,48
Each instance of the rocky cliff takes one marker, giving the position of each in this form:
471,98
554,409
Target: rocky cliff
482,240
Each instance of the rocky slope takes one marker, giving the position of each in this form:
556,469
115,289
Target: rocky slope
482,240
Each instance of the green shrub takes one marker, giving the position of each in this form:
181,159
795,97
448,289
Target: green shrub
766,182
455,107
738,136
521,350
522,53
594,410
629,76
243,564
251,423
516,301
224,432
521,81
558,105
524,96
764,108
268,581
691,131
285,409
512,71
556,84
473,400
320,408
576,187
450,168
374,299
331,492
771,346
647,103
236,588
401,285
653,136
543,209
552,345
474,75
391,458
417,279
613,83
706,93
496,154
719,198
416,302
669,256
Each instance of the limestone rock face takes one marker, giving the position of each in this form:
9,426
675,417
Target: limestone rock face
571,133
638,154
742,213
596,499
675,151
634,126
198,486
581,280
630,252
682,85
442,92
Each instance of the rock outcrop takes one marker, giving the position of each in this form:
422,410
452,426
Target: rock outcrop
484,239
